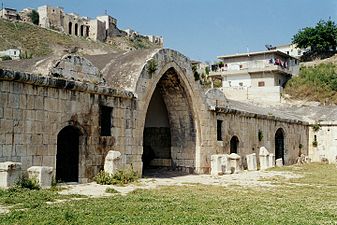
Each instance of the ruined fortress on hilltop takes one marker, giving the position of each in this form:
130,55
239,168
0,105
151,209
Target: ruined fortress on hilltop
99,29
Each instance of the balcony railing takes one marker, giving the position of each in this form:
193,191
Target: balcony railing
251,67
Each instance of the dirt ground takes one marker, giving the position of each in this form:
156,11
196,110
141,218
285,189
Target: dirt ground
171,178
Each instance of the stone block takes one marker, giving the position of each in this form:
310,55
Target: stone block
279,162
10,173
234,162
225,164
43,174
264,158
216,163
251,162
271,160
220,165
112,162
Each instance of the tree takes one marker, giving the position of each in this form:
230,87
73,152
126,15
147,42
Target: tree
321,38
34,16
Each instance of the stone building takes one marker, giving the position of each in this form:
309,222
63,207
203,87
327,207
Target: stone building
68,113
24,15
255,75
9,14
96,29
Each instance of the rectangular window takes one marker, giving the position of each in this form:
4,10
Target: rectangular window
261,84
105,120
219,130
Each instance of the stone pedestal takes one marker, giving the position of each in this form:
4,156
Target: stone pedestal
43,174
112,162
279,163
251,162
219,164
10,173
271,160
264,158
234,160
225,164
216,168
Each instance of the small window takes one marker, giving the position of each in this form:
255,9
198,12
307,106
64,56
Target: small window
288,52
279,81
219,130
315,138
261,84
240,84
240,66
105,120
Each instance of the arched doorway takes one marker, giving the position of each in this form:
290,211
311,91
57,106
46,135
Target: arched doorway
279,144
67,157
234,144
70,27
169,136
82,30
157,134
76,29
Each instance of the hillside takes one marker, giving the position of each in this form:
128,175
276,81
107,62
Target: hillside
37,41
317,81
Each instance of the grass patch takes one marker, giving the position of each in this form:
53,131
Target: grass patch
199,204
111,190
317,83
121,177
29,199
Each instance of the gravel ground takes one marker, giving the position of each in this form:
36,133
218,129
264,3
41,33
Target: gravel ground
170,178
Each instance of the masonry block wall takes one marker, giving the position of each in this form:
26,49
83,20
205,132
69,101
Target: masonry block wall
32,116
247,128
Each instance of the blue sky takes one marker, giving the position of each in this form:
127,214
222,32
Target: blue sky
204,29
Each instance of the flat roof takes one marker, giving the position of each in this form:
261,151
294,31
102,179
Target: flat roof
255,54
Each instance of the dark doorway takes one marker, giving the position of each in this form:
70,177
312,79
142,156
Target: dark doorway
157,135
76,29
234,145
82,30
67,157
70,27
279,144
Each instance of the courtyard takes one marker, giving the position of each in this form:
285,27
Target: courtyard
295,194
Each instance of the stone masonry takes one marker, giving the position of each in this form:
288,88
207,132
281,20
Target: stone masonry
107,110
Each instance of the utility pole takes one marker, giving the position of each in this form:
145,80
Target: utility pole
3,9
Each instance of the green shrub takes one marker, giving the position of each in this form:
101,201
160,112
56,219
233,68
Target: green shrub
5,58
151,66
28,183
316,127
318,83
111,190
119,178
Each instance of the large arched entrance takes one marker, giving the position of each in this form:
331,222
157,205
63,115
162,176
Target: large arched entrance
279,144
234,144
169,137
67,157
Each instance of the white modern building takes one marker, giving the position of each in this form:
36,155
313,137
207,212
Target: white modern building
13,53
254,75
290,49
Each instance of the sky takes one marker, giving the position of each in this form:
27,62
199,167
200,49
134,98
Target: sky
205,29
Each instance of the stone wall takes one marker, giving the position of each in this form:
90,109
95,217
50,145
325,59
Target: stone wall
97,30
246,128
32,115
326,142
